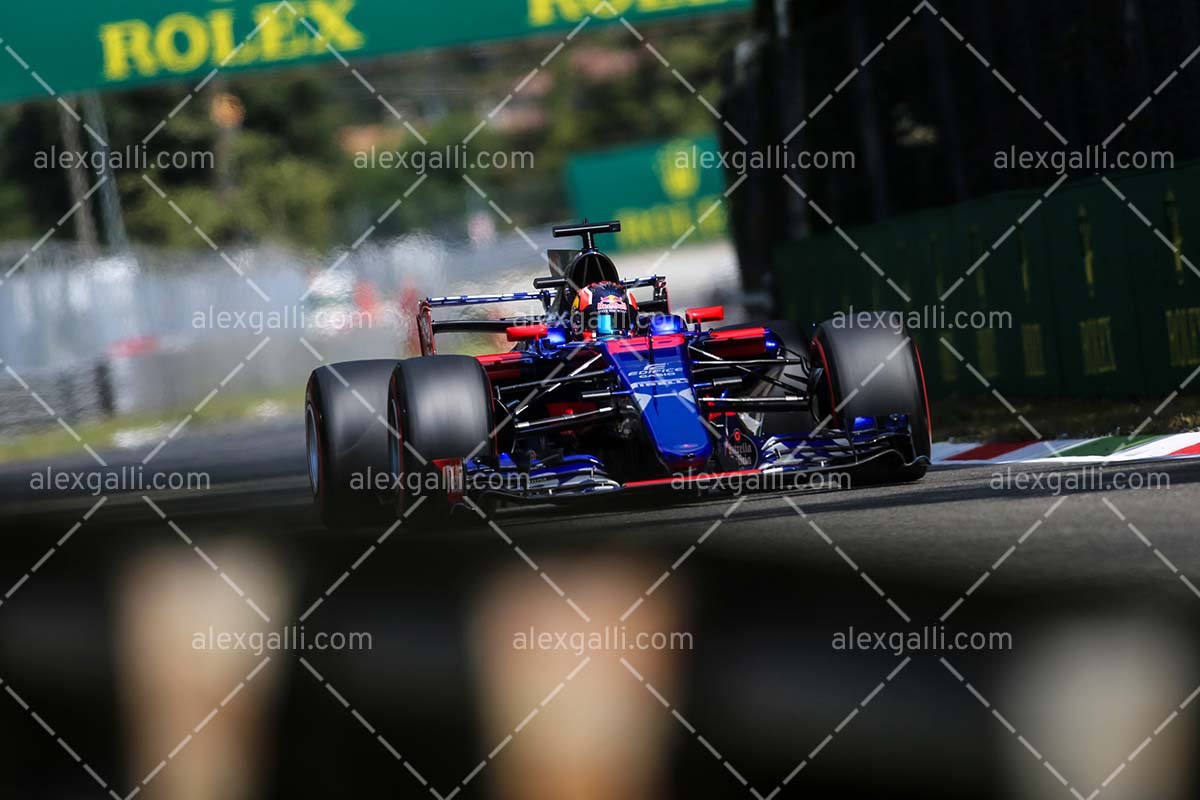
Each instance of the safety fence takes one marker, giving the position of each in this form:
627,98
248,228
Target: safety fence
1090,291
152,332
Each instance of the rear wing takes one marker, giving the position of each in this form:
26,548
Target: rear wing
547,290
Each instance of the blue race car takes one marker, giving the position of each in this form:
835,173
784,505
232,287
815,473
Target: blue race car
603,394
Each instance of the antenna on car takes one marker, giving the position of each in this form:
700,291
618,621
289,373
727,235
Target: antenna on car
586,230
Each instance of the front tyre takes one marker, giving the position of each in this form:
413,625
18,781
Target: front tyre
873,372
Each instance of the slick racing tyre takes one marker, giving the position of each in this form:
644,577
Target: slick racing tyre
347,442
442,408
873,372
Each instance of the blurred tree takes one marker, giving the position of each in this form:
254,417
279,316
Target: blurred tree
288,171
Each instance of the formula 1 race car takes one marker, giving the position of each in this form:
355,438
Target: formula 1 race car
602,394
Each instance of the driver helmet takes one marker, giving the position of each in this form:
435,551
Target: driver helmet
601,310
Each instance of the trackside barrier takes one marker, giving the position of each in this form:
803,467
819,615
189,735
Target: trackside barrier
1081,298
77,393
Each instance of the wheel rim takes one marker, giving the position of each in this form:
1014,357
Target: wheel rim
313,444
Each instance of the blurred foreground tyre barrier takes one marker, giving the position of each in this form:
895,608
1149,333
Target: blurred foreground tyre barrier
1081,298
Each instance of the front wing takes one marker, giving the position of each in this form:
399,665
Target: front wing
786,464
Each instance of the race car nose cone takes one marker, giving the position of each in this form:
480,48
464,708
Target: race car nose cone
686,456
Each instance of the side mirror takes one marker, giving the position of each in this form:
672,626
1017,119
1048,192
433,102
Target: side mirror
706,314
526,333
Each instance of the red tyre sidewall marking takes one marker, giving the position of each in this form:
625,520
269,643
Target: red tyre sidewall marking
828,380
924,394
491,423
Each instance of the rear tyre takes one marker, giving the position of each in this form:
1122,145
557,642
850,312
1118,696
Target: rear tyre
442,408
847,381
347,442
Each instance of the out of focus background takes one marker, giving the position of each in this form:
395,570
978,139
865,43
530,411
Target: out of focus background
202,200
324,200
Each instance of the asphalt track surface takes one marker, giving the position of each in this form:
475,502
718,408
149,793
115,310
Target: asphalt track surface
945,527
767,578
